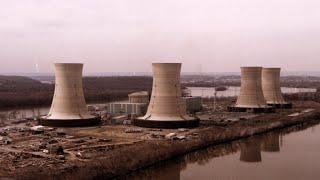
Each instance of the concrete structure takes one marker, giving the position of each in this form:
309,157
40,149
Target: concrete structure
193,103
251,95
68,106
166,108
127,108
271,88
139,97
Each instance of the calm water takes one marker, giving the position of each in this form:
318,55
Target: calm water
292,154
235,91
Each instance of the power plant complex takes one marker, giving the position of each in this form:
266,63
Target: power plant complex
145,120
68,105
165,108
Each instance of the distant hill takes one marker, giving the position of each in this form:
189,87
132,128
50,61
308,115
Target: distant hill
17,80
24,91
19,83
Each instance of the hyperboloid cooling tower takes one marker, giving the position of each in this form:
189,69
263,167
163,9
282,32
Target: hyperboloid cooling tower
271,88
166,108
68,106
251,95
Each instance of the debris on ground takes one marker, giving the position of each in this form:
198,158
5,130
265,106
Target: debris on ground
308,110
37,129
170,135
127,122
104,140
183,130
294,114
180,137
133,130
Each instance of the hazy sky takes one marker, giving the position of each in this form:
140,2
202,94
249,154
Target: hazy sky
127,35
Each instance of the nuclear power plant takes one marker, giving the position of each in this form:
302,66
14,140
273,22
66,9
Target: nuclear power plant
166,108
272,89
68,106
251,95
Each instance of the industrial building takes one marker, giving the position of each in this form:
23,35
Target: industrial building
251,95
127,108
68,106
139,97
138,104
272,89
193,103
166,108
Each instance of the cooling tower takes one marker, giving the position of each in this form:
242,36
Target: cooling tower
251,95
68,106
166,108
271,88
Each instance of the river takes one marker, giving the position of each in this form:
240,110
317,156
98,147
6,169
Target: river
30,112
235,91
292,153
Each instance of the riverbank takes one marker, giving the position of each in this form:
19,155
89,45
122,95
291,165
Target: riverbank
110,151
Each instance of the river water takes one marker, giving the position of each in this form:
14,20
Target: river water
235,91
292,153
30,112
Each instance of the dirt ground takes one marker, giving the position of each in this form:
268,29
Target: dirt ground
112,150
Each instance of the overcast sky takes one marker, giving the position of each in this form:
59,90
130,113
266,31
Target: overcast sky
128,35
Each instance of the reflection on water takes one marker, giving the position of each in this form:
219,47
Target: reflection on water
250,150
291,153
271,142
235,91
168,171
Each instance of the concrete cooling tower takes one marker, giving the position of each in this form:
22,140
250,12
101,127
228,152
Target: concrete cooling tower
251,95
271,88
68,106
166,108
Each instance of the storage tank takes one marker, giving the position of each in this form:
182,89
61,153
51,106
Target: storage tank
68,105
272,89
139,97
251,95
166,108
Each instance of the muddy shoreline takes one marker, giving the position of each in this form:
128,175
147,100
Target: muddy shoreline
117,160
